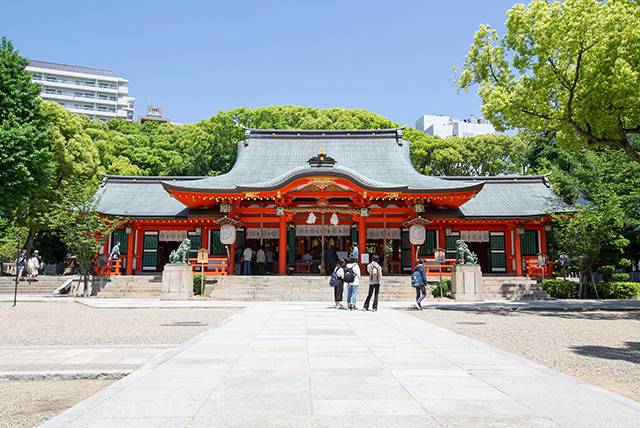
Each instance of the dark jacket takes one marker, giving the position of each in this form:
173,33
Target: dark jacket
423,273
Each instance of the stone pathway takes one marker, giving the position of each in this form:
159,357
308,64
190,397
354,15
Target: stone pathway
43,359
286,364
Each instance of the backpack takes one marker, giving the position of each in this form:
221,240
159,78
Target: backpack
349,275
334,281
374,276
416,278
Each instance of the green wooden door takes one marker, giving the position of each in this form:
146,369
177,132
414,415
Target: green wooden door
529,243
291,248
216,248
450,244
405,250
119,235
498,255
429,246
150,250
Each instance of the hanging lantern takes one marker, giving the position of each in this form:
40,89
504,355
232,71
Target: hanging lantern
311,219
227,234
334,219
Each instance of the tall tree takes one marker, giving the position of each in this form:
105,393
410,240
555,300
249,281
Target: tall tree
25,161
571,66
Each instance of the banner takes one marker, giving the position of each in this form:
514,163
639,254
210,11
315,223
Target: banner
322,230
474,235
264,233
172,235
379,233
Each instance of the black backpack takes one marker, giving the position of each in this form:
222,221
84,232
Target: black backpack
335,281
349,275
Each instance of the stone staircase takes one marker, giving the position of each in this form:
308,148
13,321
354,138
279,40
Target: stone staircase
45,285
512,288
132,286
311,288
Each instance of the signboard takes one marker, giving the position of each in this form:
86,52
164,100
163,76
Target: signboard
227,234
264,233
474,235
375,233
364,258
322,230
172,235
417,234
203,256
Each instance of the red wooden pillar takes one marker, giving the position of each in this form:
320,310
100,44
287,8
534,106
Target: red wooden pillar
362,238
442,238
518,254
282,253
130,251
413,257
507,250
232,259
204,239
140,232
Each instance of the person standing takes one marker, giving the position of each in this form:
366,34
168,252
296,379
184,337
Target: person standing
375,276
354,251
330,259
261,260
269,260
34,265
337,282
351,278
247,257
419,281
21,264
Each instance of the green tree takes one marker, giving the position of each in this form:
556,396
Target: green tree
570,66
595,228
25,161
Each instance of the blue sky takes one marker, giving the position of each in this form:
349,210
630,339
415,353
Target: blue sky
197,58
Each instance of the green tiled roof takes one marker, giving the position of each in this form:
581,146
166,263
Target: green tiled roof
374,159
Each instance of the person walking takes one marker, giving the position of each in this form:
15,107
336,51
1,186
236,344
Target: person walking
337,282
33,266
354,251
21,264
247,256
375,276
351,278
261,260
419,281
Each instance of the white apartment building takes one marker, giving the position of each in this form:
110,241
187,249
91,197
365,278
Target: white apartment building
93,92
447,126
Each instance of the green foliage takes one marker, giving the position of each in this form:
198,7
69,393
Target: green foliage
446,288
607,271
617,290
620,277
570,66
24,134
197,284
561,288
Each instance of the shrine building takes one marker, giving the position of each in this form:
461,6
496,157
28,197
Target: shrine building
299,192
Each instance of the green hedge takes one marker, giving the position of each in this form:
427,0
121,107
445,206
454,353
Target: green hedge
197,283
561,288
565,289
446,288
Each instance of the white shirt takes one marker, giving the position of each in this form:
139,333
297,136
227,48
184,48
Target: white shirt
248,254
356,269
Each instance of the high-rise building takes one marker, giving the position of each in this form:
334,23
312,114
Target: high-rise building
93,92
447,126
154,114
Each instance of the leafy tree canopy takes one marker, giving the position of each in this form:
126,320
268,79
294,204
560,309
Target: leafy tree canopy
570,66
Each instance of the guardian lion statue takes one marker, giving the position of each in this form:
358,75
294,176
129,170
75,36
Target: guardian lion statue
464,256
181,255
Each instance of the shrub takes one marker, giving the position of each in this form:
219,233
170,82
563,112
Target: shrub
606,272
197,284
561,288
620,277
446,288
616,290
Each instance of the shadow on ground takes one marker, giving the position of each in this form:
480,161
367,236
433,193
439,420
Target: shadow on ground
631,352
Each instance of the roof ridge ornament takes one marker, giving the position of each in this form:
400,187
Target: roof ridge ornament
321,159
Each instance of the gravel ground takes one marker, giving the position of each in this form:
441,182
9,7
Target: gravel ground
57,323
602,348
30,403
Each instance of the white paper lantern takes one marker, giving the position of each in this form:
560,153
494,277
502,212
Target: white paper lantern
417,234
227,234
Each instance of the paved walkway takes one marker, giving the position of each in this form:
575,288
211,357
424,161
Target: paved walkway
279,364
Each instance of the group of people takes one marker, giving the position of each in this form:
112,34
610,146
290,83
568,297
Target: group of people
347,274
248,261
29,265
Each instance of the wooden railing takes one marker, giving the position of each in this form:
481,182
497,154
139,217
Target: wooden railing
534,270
106,267
217,266
434,269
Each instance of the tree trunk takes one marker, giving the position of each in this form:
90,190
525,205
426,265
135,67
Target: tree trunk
28,245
